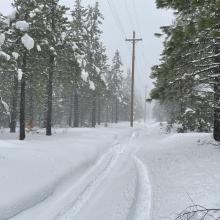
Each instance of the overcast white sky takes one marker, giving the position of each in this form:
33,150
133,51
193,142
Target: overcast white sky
139,15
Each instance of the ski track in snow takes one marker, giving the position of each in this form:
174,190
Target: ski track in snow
140,209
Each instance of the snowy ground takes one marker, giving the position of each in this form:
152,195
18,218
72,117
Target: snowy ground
115,173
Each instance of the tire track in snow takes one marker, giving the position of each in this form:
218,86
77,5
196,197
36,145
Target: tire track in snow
140,209
117,151
142,203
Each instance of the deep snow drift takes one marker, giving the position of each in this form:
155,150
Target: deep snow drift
114,173
184,170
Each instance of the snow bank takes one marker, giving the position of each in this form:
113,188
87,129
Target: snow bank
32,171
182,168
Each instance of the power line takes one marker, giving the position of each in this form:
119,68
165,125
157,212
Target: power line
116,17
122,30
117,21
129,15
139,29
137,18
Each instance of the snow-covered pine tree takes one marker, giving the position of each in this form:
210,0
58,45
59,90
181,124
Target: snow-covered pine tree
53,25
79,87
101,60
93,33
187,78
115,84
78,24
6,70
21,25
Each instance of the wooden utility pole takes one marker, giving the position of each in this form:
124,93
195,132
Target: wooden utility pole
134,41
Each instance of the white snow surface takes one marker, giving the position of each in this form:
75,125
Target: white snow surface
22,25
184,170
114,173
27,41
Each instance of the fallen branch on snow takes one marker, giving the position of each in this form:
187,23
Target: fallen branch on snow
197,212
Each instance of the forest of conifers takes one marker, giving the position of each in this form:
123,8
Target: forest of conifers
188,76
54,69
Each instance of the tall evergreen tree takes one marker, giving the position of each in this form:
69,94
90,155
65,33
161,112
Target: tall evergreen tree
53,26
21,25
187,78
115,84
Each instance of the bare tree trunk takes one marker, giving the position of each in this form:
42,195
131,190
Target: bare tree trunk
31,103
76,108
50,80
106,119
116,111
70,120
22,97
50,97
94,112
112,111
99,111
82,113
216,130
13,120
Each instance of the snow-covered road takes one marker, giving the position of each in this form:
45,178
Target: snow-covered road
114,173
115,187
